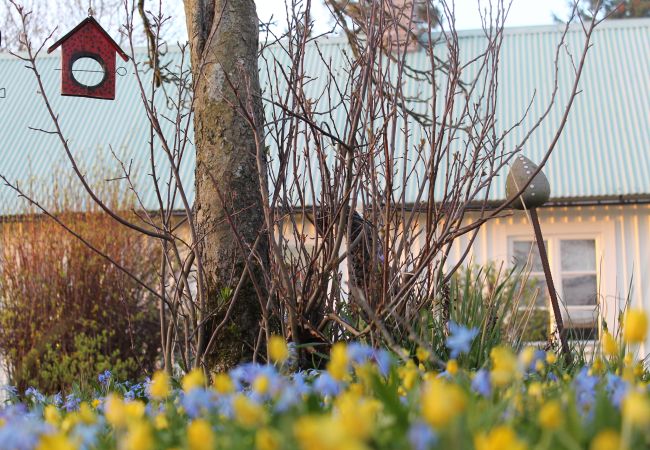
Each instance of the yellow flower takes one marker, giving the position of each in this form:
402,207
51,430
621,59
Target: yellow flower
139,436
526,357
52,415
357,414
338,364
324,433
504,366
597,367
628,359
500,438
222,383
636,409
55,442
278,350
261,384
638,370
606,440
355,389
365,374
408,373
86,414
160,422
551,416
608,344
267,439
200,435
114,411
134,410
70,421
441,402
159,387
248,413
551,357
635,326
452,367
193,379
536,390
95,403
422,354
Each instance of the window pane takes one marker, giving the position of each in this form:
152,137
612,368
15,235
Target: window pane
583,334
532,325
524,251
580,317
578,254
535,287
579,290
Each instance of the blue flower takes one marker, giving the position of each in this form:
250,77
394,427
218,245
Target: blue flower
87,435
138,390
326,385
421,436
198,401
540,355
57,400
384,361
22,433
460,338
616,388
104,378
34,394
585,387
359,353
481,383
288,398
300,383
72,403
244,374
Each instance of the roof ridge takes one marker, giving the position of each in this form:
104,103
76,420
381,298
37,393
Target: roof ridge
641,22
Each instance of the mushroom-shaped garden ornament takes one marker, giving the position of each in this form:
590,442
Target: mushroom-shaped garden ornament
536,194
538,191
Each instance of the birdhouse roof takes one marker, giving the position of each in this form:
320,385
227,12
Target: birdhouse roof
90,21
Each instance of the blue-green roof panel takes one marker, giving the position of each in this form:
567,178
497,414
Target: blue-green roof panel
604,151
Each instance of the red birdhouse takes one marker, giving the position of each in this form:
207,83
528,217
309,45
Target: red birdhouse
88,40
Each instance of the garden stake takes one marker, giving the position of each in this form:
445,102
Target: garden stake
536,194
549,283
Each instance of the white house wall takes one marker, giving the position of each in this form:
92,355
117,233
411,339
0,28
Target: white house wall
622,235
621,232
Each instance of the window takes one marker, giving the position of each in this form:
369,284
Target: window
573,265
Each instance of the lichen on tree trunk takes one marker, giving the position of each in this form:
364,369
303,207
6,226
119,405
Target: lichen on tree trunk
224,48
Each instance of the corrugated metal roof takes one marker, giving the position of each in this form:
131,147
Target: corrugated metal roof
603,153
94,129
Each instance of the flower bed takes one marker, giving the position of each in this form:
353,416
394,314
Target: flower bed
366,399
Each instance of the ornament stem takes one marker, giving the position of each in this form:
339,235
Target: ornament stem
551,286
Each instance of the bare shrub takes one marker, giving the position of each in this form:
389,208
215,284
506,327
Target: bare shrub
365,186
67,313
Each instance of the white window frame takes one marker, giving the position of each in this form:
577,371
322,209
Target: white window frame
553,250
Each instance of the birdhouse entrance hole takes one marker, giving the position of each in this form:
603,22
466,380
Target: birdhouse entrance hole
81,77
88,70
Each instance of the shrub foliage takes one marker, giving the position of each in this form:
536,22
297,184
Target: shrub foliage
66,312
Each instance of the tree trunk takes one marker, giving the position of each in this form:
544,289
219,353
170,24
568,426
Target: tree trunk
224,47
